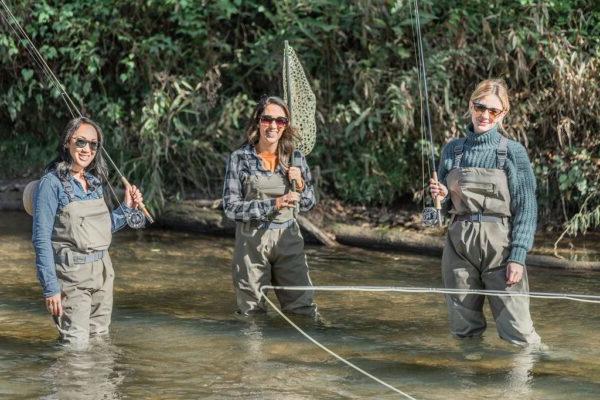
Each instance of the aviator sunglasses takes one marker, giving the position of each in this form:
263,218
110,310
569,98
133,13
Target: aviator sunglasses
80,143
281,122
480,109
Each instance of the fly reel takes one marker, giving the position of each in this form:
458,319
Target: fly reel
135,219
430,216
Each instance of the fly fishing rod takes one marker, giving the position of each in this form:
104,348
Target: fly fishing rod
431,216
133,219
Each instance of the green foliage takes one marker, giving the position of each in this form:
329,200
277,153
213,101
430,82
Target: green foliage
174,82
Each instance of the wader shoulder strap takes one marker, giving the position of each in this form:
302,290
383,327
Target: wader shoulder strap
67,187
458,153
502,152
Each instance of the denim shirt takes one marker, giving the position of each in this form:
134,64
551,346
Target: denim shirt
50,198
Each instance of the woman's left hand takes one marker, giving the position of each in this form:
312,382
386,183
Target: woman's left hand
514,273
133,197
294,173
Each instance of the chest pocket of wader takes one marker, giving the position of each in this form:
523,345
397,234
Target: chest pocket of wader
263,187
86,225
480,190
477,188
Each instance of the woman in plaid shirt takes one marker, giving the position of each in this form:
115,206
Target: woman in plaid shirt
258,195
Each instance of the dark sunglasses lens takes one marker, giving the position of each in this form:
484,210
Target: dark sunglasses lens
80,143
265,119
281,121
479,107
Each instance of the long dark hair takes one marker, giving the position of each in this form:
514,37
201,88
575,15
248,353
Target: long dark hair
285,146
63,163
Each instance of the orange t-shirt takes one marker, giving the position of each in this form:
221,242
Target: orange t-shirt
269,160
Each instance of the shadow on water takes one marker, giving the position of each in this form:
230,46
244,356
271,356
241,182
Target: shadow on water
174,333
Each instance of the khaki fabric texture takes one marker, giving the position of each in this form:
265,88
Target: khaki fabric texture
84,226
261,187
271,256
87,289
475,257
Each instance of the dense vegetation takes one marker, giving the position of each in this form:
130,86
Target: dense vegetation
174,82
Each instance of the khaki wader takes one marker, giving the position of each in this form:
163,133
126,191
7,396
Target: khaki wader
270,253
476,253
80,239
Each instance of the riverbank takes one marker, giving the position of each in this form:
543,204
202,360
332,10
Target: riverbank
394,230
405,235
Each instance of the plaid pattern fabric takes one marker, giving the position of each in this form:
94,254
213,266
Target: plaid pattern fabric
244,162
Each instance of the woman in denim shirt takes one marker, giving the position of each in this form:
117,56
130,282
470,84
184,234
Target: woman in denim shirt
72,230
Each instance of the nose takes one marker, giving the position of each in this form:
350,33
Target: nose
486,114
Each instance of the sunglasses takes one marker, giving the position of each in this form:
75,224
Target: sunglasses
80,143
481,108
281,122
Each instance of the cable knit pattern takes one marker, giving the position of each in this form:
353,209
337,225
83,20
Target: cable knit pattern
479,151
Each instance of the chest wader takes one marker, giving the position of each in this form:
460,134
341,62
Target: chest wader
270,253
477,249
80,239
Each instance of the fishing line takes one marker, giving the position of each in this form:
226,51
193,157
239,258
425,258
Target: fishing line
425,85
135,218
323,347
421,111
584,298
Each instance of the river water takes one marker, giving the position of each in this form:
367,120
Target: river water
175,336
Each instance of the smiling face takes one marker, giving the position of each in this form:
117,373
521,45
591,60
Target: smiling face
82,156
269,129
486,112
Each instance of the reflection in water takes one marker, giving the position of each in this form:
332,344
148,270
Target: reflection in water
520,377
85,374
174,334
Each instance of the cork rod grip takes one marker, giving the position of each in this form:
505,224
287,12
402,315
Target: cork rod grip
437,202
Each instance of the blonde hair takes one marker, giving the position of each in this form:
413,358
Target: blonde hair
496,87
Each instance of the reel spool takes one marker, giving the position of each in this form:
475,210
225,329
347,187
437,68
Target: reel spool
430,216
135,219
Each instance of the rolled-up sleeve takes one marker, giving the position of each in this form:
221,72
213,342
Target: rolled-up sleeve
45,206
307,197
234,205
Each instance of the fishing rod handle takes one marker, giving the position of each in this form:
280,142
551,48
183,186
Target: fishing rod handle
437,202
436,199
141,205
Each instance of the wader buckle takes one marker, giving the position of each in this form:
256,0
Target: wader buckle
73,258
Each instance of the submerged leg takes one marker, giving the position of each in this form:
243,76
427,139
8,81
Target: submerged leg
291,269
465,311
251,270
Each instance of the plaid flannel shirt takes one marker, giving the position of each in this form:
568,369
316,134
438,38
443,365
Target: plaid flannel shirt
243,163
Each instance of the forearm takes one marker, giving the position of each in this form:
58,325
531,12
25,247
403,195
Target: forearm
246,211
45,268
307,198
118,218
524,208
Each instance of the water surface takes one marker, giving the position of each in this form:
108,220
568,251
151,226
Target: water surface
175,336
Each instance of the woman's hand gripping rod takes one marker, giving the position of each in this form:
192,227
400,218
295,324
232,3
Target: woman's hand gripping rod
141,206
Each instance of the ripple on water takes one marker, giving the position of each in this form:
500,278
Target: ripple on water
174,334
